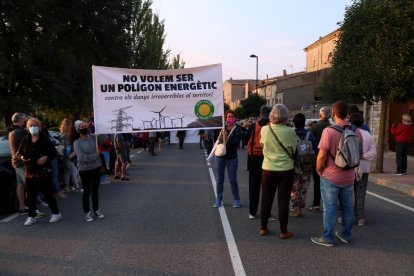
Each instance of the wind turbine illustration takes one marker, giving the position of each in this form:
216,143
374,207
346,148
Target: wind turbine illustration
159,115
181,119
171,121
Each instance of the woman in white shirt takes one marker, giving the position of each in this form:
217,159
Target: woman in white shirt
369,152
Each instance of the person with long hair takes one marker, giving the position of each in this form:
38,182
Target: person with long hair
70,174
89,166
37,151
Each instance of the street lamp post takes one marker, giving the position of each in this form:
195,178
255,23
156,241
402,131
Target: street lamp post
257,69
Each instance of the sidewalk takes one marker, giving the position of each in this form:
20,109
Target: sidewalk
403,183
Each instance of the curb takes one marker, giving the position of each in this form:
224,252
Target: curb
400,187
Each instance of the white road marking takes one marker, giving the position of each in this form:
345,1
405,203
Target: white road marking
231,243
391,201
9,218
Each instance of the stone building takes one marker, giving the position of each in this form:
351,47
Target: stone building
235,90
319,54
297,90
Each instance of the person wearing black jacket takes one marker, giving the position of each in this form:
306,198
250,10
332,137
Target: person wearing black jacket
37,152
255,159
231,135
317,129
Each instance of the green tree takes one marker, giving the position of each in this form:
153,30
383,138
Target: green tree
240,112
226,107
374,57
148,38
47,49
252,104
177,62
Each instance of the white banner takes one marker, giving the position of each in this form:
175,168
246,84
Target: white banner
137,100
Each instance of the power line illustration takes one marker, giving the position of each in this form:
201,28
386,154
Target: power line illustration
121,121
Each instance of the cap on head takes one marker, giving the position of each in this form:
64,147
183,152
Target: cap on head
78,124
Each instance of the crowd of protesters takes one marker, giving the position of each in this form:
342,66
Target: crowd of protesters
47,169
271,147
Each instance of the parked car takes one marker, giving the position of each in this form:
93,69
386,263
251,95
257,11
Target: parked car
310,122
4,147
7,177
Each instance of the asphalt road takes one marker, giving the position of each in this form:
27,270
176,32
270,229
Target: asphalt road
162,223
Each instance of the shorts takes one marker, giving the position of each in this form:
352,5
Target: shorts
20,176
121,156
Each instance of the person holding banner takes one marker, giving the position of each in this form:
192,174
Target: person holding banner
89,166
231,133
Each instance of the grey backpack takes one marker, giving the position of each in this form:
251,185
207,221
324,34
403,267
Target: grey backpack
304,152
348,153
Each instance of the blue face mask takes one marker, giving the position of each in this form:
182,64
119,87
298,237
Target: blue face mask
34,130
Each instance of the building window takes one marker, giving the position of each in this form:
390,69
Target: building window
330,58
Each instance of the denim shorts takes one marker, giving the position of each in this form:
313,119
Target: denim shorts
20,176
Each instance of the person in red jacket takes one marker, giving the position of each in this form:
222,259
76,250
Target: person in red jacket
403,136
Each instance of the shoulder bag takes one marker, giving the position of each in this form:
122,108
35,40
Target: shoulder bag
220,149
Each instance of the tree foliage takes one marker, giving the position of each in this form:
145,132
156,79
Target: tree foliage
252,105
177,62
47,49
374,57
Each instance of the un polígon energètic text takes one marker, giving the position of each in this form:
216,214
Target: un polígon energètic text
166,83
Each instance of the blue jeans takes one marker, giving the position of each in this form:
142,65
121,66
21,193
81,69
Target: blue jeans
330,194
232,165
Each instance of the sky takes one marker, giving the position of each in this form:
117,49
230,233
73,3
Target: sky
229,31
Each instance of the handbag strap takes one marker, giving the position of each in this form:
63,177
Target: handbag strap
227,138
280,143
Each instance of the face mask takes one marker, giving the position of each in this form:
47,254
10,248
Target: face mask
83,131
34,130
231,120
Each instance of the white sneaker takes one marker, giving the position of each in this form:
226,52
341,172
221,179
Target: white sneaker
106,182
251,216
88,217
99,214
30,221
55,218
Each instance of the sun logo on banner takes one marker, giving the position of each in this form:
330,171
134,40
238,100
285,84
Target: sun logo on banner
204,110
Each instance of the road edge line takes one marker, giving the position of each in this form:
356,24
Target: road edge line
231,243
391,201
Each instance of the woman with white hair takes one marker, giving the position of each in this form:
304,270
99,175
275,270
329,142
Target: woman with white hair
279,144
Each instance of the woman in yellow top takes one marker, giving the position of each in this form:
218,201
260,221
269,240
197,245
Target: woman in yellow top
277,168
